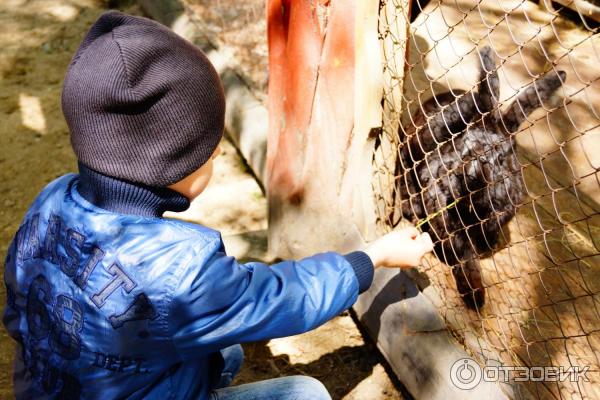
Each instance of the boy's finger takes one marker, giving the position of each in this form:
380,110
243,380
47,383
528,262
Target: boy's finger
412,232
426,241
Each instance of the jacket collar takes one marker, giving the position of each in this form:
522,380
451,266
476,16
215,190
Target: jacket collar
124,197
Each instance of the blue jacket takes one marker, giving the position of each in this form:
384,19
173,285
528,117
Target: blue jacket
106,299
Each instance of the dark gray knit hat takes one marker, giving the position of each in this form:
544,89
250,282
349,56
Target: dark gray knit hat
142,103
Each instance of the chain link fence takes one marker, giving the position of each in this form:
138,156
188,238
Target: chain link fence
491,143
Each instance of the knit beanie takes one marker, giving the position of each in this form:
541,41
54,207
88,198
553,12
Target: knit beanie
142,104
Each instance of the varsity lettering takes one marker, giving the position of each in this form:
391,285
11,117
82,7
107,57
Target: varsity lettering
119,363
65,247
93,260
120,279
140,309
61,328
73,242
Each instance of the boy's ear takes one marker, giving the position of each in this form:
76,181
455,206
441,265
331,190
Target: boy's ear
216,153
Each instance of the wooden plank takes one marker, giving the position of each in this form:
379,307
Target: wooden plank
368,77
368,88
582,7
414,339
318,163
393,31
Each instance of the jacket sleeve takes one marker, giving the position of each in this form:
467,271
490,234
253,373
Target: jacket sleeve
222,302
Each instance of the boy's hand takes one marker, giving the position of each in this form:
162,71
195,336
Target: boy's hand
403,248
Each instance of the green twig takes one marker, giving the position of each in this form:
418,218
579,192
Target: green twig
435,214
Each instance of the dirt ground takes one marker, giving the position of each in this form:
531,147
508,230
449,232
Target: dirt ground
37,40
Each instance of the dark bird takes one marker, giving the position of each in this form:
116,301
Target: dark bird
458,159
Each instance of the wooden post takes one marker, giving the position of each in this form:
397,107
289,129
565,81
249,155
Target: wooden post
318,160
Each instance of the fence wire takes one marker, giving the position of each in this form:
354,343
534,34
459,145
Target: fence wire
491,143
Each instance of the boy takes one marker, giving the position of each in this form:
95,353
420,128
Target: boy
107,299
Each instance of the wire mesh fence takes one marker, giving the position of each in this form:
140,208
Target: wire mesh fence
491,143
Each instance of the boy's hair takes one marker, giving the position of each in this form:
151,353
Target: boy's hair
142,104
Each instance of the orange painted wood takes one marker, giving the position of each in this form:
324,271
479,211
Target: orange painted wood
310,97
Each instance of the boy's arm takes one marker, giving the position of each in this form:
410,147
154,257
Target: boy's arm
223,302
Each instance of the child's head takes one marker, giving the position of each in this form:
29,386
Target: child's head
143,104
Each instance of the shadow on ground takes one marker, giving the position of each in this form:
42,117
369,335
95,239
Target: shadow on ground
352,371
